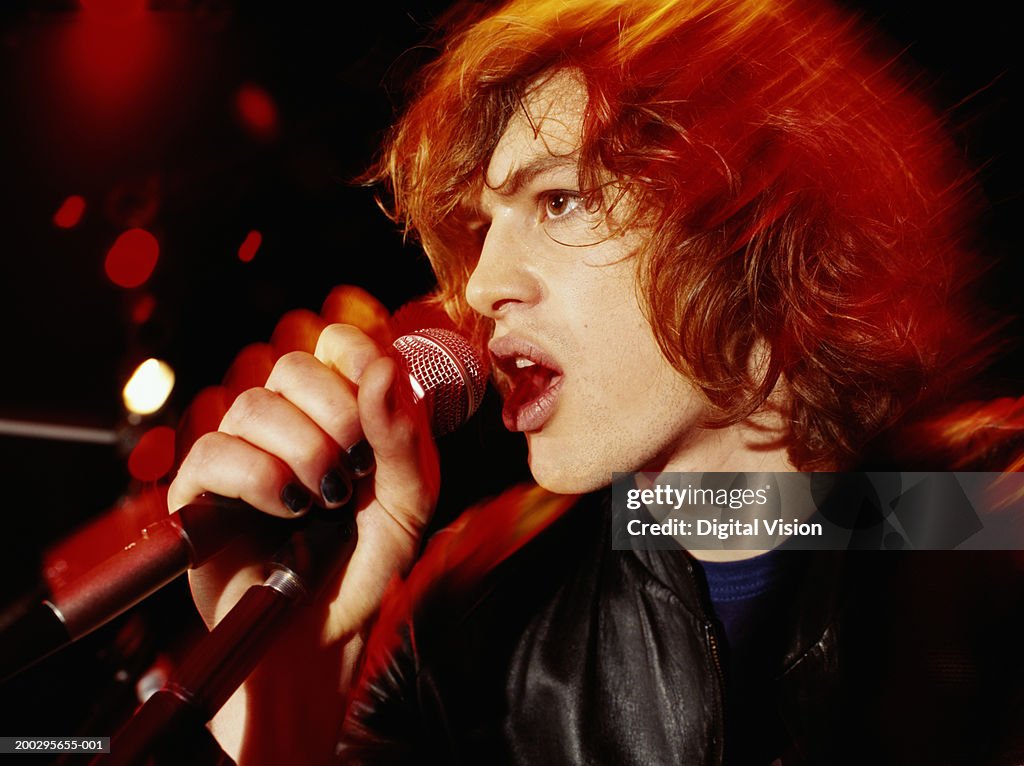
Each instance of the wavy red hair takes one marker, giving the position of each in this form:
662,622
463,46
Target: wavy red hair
800,196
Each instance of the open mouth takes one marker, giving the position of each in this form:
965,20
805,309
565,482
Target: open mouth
530,383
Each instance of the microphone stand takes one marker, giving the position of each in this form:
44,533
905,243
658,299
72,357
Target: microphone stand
223,659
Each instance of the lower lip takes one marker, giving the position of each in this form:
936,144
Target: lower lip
534,414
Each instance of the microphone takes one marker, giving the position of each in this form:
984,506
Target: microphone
445,373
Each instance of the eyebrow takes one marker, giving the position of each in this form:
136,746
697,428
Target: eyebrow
524,174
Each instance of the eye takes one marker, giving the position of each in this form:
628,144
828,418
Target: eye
559,204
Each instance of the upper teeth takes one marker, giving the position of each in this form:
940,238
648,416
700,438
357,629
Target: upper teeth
522,362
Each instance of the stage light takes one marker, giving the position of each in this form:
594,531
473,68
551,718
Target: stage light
148,388
70,212
153,455
142,309
247,250
114,7
132,258
256,111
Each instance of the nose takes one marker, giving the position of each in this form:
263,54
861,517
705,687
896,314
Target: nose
504,276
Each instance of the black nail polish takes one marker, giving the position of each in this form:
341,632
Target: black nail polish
295,498
335,487
360,459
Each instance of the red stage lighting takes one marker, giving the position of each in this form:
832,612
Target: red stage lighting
247,250
70,212
142,309
114,7
256,111
153,456
132,258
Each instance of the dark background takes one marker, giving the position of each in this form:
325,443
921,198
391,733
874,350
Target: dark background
137,115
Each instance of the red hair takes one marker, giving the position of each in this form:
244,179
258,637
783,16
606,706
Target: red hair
800,197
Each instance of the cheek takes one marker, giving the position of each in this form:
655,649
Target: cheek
644,400
632,405
631,352
626,376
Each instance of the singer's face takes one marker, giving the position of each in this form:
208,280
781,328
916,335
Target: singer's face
576,360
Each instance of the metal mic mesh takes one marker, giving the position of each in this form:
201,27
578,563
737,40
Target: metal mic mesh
445,370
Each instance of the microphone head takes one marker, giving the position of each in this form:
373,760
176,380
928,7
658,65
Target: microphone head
445,370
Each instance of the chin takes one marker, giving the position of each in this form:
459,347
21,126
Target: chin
564,478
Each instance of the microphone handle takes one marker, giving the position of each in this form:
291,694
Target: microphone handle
185,539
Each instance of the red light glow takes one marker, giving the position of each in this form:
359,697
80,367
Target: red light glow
132,258
348,304
256,111
114,7
974,436
143,308
202,416
70,558
247,251
70,212
109,66
153,456
250,369
297,330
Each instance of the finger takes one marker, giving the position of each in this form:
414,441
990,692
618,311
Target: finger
230,467
275,425
406,479
321,393
405,487
347,350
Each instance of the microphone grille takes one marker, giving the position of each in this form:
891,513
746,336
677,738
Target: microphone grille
445,370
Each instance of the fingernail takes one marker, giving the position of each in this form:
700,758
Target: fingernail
360,459
335,487
295,498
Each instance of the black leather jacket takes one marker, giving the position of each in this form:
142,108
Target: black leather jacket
572,653
569,652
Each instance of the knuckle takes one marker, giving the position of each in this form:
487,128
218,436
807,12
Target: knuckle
260,470
405,433
346,342
335,337
290,365
250,405
341,416
399,440
307,456
289,371
207,449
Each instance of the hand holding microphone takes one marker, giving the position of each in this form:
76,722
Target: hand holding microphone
442,370
284,447
259,638
277,449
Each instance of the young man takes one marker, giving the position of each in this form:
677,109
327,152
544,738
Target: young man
695,236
